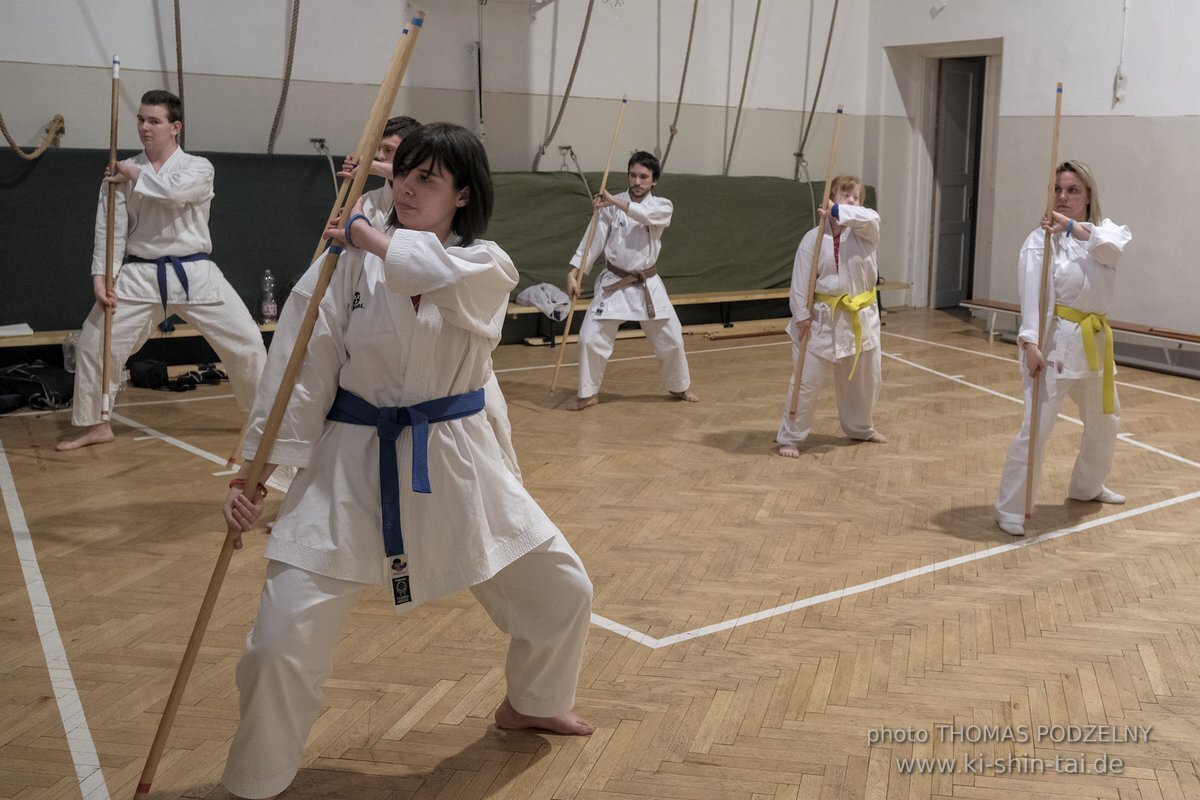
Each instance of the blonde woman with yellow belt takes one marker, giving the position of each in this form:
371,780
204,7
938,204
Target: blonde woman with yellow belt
843,326
1076,357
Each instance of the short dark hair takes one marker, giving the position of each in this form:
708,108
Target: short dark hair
647,160
158,97
400,126
458,152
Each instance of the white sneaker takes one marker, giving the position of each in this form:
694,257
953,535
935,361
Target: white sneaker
1011,528
1109,496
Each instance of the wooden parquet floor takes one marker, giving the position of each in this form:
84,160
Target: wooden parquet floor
850,624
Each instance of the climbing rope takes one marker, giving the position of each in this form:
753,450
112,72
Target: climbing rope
745,80
687,56
587,20
54,130
287,79
179,62
481,129
799,154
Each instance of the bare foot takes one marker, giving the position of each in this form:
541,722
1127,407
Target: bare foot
877,438
788,451
583,402
96,434
569,724
687,395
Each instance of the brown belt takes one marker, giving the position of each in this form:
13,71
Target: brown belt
630,278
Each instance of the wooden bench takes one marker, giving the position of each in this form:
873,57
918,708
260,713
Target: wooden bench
724,299
48,338
1168,339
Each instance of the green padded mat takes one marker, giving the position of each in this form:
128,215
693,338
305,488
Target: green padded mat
727,234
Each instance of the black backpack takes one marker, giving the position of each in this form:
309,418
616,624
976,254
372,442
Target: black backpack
38,384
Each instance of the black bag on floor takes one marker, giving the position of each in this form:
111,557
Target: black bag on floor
148,373
40,385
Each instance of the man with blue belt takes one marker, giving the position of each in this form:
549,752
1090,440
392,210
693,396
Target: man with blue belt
161,244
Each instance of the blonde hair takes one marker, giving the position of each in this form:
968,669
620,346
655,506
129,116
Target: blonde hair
849,183
1084,173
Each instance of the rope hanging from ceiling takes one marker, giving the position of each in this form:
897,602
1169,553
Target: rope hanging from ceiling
687,57
179,62
799,154
54,132
287,79
745,80
587,20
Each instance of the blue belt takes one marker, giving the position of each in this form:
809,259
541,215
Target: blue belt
389,422
176,262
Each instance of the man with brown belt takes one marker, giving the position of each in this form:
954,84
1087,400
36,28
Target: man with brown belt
629,231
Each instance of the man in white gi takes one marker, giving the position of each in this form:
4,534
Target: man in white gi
162,245
377,203
629,232
843,329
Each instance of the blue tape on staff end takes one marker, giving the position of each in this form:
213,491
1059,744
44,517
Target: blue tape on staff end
418,21
336,250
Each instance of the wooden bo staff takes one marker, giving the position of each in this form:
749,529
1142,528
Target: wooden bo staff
1043,308
110,224
372,133
587,246
816,262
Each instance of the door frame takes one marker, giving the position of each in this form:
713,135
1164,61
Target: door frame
934,211
923,196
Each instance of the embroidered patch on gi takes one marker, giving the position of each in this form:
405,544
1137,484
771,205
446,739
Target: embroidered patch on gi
401,586
357,302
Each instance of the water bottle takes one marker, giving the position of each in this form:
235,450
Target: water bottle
68,346
270,310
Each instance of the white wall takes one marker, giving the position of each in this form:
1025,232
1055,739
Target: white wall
635,49
1141,148
54,56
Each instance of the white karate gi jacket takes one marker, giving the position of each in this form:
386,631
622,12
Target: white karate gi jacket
631,242
163,213
831,338
377,205
1084,277
369,340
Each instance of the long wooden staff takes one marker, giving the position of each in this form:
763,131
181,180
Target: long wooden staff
375,123
587,246
109,243
339,206
816,262
1043,308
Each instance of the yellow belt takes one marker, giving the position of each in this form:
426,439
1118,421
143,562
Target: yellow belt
852,304
1088,325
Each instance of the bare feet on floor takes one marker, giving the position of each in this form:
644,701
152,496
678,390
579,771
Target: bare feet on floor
96,434
687,395
569,724
877,438
788,451
580,403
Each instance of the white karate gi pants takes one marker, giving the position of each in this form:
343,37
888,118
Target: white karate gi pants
665,335
227,326
1095,458
543,600
855,398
